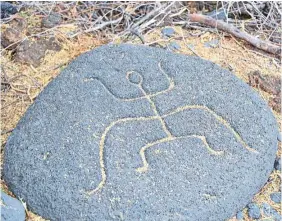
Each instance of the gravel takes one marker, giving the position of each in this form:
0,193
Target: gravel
269,211
254,211
276,197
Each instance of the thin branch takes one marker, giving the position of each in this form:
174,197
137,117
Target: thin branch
258,43
98,27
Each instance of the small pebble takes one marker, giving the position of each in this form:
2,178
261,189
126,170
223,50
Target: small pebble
240,215
253,211
174,46
212,44
32,52
169,32
277,163
276,197
270,212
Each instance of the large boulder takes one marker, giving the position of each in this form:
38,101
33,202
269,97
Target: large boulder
139,133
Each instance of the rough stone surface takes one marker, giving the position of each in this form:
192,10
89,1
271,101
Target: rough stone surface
276,197
13,35
11,208
32,52
254,211
51,20
7,9
176,137
269,84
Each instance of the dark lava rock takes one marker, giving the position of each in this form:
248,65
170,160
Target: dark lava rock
7,9
277,163
276,197
275,103
11,208
269,211
269,84
32,52
240,215
168,32
254,211
14,33
52,20
138,133
52,44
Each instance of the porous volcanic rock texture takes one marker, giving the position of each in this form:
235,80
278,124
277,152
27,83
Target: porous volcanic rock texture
138,133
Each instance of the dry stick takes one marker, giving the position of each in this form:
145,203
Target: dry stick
98,27
263,45
155,13
146,17
137,26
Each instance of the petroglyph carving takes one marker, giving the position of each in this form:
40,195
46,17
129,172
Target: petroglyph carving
136,79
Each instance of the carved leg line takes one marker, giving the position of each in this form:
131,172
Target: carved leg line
102,147
217,117
145,166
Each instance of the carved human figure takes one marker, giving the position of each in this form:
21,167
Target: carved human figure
136,79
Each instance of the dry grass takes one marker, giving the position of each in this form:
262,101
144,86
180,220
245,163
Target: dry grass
114,21
26,82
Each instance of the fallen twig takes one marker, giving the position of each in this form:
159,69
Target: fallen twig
98,27
263,45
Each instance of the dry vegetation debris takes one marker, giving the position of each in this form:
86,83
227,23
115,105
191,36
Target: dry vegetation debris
76,27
